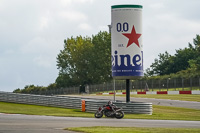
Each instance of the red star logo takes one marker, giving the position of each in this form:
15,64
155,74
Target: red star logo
133,37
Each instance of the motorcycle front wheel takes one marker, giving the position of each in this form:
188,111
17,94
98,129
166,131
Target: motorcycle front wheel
98,114
119,114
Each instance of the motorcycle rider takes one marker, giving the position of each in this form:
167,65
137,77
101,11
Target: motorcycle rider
111,105
109,110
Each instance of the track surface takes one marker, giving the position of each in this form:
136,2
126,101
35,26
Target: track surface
14,123
162,102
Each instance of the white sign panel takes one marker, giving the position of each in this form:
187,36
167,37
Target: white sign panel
126,35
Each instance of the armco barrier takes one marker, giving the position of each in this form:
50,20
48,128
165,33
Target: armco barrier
130,108
91,105
53,101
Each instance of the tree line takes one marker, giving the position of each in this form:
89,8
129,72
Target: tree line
184,63
86,60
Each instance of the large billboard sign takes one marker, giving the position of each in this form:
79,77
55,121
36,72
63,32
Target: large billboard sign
126,36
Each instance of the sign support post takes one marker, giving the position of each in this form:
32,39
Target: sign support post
114,90
127,90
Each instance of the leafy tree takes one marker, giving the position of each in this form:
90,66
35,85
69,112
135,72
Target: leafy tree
161,65
192,56
196,62
101,61
181,59
196,42
84,60
72,61
17,90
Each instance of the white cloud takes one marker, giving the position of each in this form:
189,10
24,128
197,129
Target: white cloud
70,2
34,46
66,2
44,61
43,23
84,1
73,16
41,45
156,6
103,28
9,51
85,26
175,25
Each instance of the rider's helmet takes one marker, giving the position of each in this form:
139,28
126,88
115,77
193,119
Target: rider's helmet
110,103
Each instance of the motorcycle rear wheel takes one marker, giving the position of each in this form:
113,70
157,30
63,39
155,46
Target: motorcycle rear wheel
119,114
98,114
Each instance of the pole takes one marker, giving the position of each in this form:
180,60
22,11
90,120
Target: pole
127,90
114,90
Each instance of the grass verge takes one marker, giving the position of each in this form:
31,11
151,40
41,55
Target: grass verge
99,129
13,108
182,97
168,113
159,112
162,89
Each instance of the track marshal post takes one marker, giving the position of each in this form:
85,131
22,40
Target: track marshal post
83,105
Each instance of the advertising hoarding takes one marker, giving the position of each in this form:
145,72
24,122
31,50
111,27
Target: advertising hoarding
126,38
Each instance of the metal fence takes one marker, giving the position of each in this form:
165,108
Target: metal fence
169,84
73,102
174,84
69,90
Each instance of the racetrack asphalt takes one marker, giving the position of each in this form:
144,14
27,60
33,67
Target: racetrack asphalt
162,102
15,123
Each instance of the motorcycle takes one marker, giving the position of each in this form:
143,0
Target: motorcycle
109,111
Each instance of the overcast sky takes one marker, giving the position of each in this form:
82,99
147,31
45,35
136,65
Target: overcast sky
32,32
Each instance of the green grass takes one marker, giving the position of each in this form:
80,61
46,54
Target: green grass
99,129
182,97
159,112
168,113
162,89
13,108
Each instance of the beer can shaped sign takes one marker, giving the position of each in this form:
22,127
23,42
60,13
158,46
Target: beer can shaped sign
126,38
